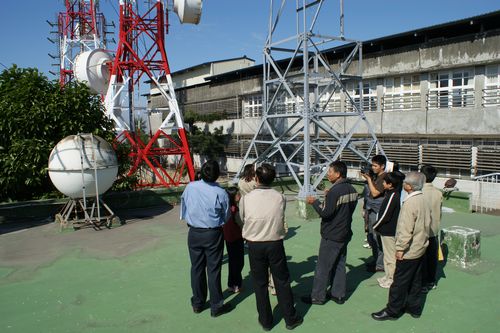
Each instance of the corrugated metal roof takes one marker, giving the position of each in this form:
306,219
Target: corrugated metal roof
481,24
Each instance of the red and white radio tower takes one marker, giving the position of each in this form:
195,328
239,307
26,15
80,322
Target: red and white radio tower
80,28
141,55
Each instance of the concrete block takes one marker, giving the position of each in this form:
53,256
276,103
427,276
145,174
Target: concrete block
464,245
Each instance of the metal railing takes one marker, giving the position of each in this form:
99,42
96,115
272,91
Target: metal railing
450,98
487,195
491,96
369,103
401,101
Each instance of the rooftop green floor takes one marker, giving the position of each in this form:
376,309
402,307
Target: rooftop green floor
135,278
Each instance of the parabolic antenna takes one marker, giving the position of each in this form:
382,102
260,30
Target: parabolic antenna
77,162
189,11
91,68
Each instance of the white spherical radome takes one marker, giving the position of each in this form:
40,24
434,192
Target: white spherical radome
77,159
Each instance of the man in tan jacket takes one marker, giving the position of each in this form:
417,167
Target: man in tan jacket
433,198
263,214
412,233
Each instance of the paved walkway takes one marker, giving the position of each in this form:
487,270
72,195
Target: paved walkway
135,278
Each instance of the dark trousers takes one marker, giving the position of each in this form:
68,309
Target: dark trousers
330,270
206,248
373,238
430,261
404,293
264,256
236,261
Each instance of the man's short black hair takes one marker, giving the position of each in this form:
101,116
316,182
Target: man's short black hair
339,167
210,171
265,174
379,159
430,173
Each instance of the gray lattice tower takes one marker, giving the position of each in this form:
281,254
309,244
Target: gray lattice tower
303,125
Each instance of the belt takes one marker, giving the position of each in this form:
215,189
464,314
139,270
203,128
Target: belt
214,228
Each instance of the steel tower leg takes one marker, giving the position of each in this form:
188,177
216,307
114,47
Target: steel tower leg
167,162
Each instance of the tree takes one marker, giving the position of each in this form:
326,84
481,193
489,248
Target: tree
35,114
203,142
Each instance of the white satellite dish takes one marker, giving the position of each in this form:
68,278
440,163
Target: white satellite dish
91,68
79,162
189,11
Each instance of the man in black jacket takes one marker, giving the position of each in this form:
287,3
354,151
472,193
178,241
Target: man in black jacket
336,217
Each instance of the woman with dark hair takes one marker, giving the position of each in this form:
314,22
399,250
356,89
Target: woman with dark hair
234,242
247,181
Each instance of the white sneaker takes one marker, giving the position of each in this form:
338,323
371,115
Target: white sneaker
382,279
234,289
367,246
386,284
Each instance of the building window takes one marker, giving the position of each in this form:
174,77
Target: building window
451,89
286,105
252,106
369,102
402,93
329,102
491,91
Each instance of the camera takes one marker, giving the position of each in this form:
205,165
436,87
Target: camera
366,168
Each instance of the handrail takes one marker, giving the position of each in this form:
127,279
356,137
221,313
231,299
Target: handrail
494,174
485,199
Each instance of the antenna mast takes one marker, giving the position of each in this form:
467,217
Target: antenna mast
303,127
165,158
80,28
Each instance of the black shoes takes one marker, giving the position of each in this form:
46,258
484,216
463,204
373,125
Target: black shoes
297,322
428,287
374,269
383,315
266,327
227,307
414,315
309,300
338,300
199,308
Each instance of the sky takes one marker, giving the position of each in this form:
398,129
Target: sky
228,28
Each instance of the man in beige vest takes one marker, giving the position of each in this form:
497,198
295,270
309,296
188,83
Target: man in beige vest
412,233
434,198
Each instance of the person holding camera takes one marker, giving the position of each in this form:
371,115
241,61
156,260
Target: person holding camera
373,201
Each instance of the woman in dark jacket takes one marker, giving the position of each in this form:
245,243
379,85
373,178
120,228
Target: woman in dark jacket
387,221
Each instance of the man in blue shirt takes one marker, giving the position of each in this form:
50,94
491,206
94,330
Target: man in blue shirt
205,208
